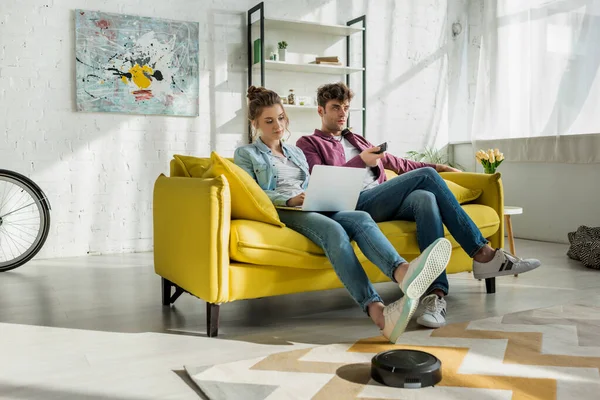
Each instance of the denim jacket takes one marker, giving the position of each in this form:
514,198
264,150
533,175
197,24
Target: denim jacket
256,159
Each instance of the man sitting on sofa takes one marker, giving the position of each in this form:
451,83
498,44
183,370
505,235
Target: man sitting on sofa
418,194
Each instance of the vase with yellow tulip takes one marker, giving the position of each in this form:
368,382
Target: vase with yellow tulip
490,159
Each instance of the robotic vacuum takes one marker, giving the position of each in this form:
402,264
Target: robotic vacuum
409,369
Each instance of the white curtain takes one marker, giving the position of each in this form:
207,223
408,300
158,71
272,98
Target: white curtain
539,77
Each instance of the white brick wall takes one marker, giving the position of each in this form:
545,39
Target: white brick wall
98,169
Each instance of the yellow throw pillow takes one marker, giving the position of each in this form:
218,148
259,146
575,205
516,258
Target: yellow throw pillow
248,200
193,166
463,194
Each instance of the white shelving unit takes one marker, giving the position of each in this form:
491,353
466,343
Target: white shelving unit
312,27
257,29
307,68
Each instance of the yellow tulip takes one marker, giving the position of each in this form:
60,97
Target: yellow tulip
492,157
485,156
500,157
496,153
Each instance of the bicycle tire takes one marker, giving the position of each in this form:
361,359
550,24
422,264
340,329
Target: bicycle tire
40,197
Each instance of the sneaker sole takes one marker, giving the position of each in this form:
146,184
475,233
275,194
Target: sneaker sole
495,274
432,265
410,307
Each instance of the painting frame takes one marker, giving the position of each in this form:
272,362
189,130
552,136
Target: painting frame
136,65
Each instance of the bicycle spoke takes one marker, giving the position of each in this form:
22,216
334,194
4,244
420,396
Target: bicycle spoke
25,198
8,243
2,248
12,212
20,230
23,219
13,195
23,213
25,226
17,243
4,194
14,237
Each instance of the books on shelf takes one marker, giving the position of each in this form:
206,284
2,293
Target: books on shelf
328,60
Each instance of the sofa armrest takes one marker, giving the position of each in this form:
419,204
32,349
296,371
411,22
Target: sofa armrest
192,218
492,196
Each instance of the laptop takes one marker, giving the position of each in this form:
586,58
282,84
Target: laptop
332,189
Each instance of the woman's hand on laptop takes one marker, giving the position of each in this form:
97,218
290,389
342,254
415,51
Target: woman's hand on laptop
370,158
296,201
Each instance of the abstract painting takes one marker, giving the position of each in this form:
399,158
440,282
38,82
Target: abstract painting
136,65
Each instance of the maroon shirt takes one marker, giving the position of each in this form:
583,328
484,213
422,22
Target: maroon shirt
322,149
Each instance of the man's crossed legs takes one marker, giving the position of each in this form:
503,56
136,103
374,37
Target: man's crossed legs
422,196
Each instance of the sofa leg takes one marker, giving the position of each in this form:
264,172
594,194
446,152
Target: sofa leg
490,285
212,319
166,291
167,298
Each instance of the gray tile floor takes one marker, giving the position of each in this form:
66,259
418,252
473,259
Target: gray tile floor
94,327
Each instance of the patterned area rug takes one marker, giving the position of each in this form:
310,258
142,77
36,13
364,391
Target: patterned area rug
551,353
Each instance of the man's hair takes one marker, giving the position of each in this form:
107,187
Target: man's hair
333,91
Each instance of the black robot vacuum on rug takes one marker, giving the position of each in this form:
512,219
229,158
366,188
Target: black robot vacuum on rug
408,369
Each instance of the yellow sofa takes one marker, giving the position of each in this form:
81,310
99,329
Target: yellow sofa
200,250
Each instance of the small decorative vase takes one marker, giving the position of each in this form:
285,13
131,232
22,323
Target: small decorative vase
489,170
282,54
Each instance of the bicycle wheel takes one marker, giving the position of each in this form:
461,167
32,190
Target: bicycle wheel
24,219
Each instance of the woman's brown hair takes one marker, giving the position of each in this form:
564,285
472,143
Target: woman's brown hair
258,99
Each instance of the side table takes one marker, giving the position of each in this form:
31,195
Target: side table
508,211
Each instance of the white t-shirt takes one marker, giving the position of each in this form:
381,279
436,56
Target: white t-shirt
289,177
350,151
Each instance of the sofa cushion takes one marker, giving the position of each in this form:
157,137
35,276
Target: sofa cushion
248,200
403,234
192,166
258,243
463,195
262,244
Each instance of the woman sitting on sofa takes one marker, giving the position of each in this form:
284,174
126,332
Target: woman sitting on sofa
281,170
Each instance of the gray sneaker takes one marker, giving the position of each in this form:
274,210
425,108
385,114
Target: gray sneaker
502,264
434,312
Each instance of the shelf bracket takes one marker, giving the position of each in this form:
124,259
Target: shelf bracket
260,8
362,19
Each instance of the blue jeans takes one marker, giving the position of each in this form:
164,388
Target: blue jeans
422,196
333,232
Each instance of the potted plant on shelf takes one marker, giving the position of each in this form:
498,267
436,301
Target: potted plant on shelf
282,46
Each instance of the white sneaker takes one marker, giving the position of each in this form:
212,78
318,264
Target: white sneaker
434,314
421,273
502,264
424,269
397,316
